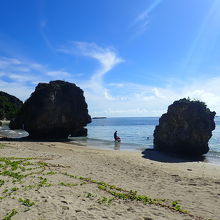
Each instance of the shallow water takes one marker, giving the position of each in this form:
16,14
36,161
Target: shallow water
136,134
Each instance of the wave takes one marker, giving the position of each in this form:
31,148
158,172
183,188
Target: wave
213,153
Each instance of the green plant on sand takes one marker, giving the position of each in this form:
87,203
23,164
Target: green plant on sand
18,169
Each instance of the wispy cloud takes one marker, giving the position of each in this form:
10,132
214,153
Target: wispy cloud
112,99
43,32
14,71
24,70
140,100
129,99
18,76
95,90
6,62
16,88
141,22
107,57
58,73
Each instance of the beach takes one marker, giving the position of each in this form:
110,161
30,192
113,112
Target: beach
56,180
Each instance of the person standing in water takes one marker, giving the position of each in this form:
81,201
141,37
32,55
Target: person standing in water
116,137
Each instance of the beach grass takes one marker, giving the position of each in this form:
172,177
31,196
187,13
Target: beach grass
16,170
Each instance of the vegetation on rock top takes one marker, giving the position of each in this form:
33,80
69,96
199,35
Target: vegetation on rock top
9,106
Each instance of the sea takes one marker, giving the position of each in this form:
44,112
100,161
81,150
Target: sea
136,134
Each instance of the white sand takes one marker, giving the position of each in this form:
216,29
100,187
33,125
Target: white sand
196,185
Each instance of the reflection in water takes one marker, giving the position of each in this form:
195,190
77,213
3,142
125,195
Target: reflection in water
117,145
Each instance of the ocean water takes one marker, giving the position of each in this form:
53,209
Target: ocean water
136,134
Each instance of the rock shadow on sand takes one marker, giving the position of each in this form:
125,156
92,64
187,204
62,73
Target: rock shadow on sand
166,157
30,139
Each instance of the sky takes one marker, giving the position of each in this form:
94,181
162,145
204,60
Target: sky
131,58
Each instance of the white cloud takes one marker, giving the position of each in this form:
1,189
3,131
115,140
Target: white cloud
112,99
43,31
116,85
98,96
141,22
107,58
140,100
58,74
22,78
6,62
17,89
15,68
107,95
18,76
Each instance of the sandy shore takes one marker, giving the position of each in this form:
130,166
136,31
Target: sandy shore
64,181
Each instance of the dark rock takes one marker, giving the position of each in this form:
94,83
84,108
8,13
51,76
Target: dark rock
79,133
9,106
54,110
186,128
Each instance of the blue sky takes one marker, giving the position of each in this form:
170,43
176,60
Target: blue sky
131,58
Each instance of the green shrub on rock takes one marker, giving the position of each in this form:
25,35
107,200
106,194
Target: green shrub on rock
9,106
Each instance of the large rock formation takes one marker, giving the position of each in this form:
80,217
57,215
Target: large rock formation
54,110
9,106
186,128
